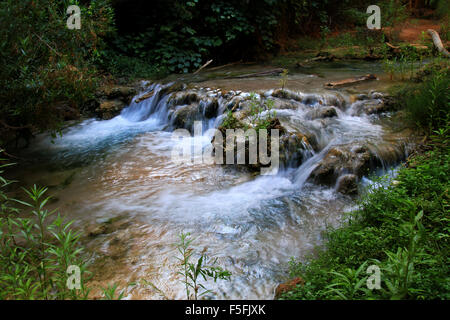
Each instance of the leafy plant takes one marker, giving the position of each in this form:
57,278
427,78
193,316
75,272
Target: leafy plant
258,106
36,252
284,78
193,272
110,293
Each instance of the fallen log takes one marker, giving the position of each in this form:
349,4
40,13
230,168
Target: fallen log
145,96
438,43
351,81
272,72
321,58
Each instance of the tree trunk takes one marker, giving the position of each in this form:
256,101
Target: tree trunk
438,43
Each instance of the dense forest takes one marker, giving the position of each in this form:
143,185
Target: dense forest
53,77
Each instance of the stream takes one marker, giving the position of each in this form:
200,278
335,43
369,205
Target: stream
117,176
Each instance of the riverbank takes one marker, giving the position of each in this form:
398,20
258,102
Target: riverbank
401,225
402,228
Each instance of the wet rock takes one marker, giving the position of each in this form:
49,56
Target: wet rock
282,105
286,94
347,184
108,226
123,93
210,108
293,147
376,95
237,124
234,104
362,96
109,101
110,108
322,113
370,107
96,230
184,98
288,286
184,117
354,159
171,88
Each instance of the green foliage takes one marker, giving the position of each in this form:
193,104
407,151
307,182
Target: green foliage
193,272
260,113
393,13
46,66
36,252
427,103
230,121
402,227
109,293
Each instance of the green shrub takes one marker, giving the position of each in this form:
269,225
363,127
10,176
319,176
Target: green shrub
427,103
45,66
36,251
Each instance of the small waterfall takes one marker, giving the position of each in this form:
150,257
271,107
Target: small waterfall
122,167
303,172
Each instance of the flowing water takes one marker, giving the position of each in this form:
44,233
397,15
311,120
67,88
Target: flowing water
119,173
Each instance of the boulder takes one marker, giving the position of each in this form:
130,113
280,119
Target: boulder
347,184
210,108
343,159
184,117
123,93
322,113
286,94
184,98
110,108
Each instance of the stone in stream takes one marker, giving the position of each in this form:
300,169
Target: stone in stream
185,116
210,108
110,100
341,159
321,113
287,94
347,184
110,108
184,97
